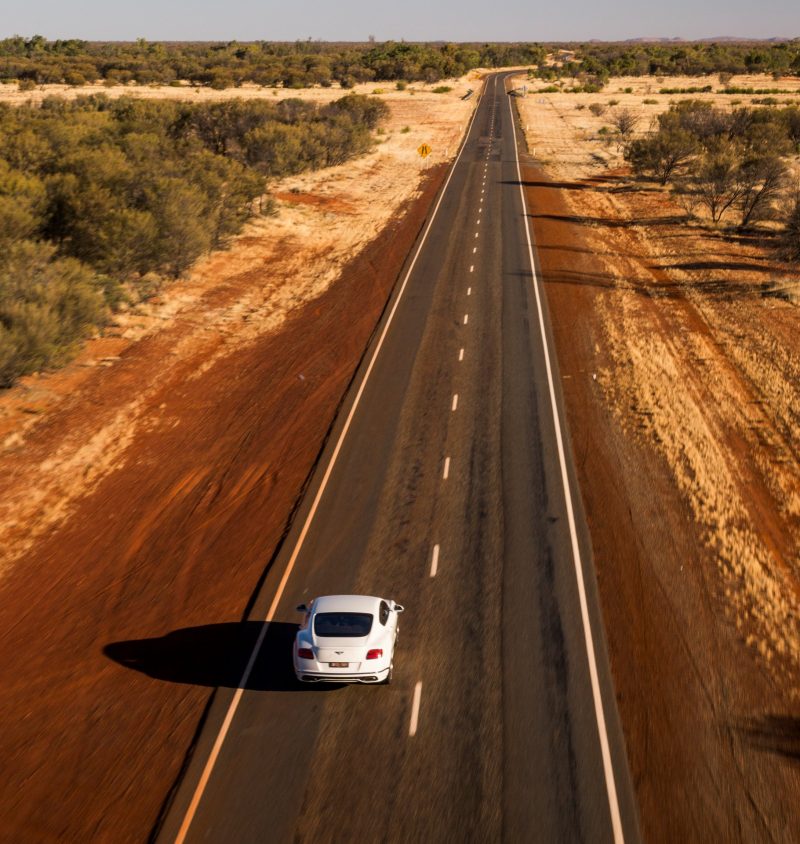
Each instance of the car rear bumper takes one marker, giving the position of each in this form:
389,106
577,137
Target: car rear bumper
324,677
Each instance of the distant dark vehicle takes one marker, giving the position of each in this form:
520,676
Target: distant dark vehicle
467,95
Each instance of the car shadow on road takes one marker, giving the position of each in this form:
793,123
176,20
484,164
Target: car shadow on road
216,655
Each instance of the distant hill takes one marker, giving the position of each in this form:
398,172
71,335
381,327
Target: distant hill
717,38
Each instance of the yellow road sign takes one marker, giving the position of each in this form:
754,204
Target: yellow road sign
424,150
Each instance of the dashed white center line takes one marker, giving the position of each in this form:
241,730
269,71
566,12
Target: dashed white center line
434,560
466,318
479,221
476,234
412,727
454,405
446,471
461,354
472,267
469,291
474,249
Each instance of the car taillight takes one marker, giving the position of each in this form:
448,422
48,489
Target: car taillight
375,653
305,653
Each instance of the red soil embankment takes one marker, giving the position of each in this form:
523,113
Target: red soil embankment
177,535
712,738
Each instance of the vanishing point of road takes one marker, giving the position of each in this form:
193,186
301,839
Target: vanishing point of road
446,484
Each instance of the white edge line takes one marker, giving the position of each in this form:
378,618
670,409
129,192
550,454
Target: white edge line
412,727
454,405
446,472
234,704
611,787
435,561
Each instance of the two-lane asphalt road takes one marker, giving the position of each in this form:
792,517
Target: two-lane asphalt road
446,485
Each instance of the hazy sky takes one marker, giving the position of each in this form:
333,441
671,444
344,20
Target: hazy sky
414,20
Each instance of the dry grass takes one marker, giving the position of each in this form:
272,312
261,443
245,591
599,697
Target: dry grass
705,355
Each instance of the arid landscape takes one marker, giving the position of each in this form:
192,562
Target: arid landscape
142,427
146,485
685,389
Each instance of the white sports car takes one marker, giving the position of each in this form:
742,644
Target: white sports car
346,639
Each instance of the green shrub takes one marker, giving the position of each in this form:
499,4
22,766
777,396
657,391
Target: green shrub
442,89
97,195
47,305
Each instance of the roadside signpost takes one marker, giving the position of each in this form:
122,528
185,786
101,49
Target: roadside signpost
424,150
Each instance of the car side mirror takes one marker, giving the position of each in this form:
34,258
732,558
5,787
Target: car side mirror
399,608
302,608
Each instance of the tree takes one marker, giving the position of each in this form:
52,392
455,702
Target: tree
760,180
662,153
714,182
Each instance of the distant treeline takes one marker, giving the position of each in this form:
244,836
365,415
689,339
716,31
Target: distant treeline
302,64
99,198
604,60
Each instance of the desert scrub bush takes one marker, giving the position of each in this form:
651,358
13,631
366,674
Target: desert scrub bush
649,101
102,193
405,130
47,305
442,89
26,84
612,103
693,89
597,109
624,120
580,106
401,85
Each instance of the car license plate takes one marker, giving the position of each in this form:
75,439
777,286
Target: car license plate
339,664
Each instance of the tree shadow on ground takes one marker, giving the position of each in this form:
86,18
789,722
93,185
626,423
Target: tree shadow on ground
778,734
717,265
612,222
216,655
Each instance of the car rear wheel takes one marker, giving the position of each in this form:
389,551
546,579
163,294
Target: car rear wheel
388,679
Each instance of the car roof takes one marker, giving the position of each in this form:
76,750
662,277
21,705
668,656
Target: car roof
347,603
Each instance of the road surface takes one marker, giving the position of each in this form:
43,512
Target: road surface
442,486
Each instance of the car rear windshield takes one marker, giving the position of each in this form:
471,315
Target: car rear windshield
340,624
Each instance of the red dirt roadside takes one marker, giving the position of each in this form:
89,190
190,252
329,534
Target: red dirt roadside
177,535
713,738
